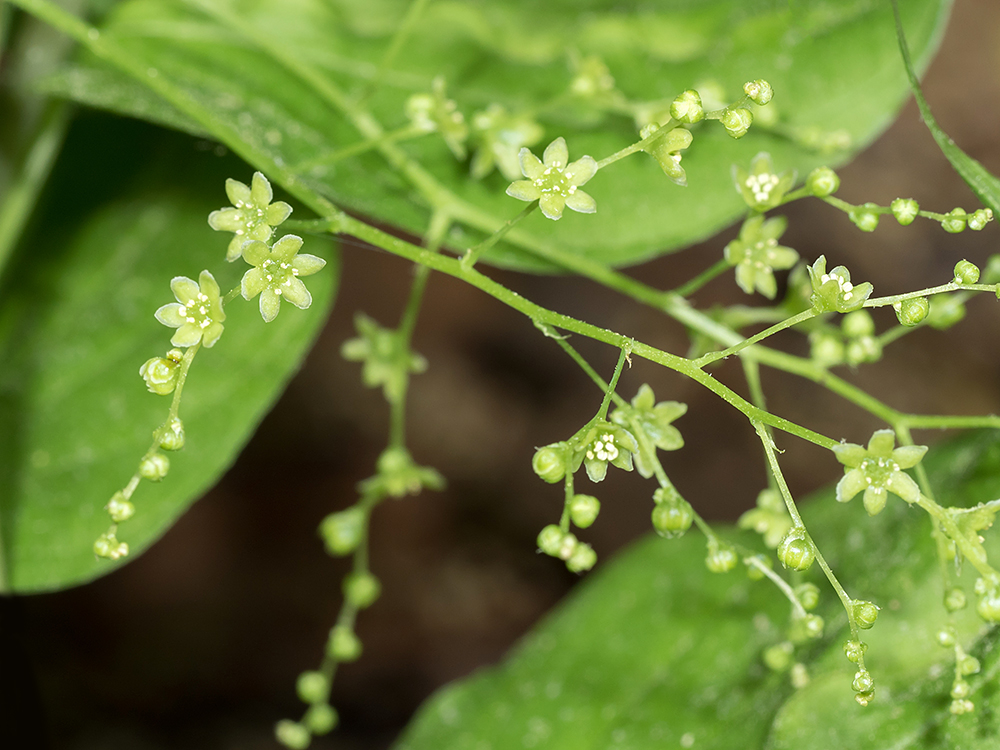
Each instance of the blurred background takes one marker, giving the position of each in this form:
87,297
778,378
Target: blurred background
197,643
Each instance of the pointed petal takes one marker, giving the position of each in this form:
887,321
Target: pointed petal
667,438
531,165
524,190
875,499
255,252
745,277
750,231
285,248
296,293
903,485
908,456
623,460
237,192
644,397
235,248
170,315
882,443
552,205
582,202
596,469
781,257
270,303
307,264
187,335
765,282
772,229
850,454
226,220
260,190
581,170
667,411
184,289
762,164
209,286
556,154
278,212
261,231
850,485
211,335
253,283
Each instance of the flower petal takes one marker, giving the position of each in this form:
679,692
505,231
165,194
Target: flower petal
581,170
307,264
235,248
209,286
253,283
524,190
882,443
745,276
184,289
285,248
552,205
850,485
582,202
171,315
256,252
908,456
531,165
295,292
270,303
238,192
875,499
850,454
903,485
187,335
596,469
226,220
764,281
260,190
211,335
278,212
556,154
781,257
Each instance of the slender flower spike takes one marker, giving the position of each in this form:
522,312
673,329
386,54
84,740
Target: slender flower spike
501,136
275,274
197,314
553,182
878,470
834,292
252,215
650,423
762,188
601,444
756,254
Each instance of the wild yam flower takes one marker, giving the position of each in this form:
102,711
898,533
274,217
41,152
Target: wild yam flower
878,470
252,215
197,314
554,182
756,254
833,291
275,274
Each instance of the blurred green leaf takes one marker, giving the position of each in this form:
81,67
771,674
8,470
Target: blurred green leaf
264,70
653,651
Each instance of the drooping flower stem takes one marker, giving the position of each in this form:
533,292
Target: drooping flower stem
473,254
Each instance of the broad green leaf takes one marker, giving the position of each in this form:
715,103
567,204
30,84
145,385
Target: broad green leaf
288,82
76,323
653,651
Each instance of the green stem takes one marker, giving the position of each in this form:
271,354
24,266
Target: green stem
602,413
736,348
473,254
692,286
590,371
399,38
403,134
783,585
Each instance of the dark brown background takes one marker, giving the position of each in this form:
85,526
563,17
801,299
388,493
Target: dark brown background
198,642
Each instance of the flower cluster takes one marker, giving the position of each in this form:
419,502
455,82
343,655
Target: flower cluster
252,216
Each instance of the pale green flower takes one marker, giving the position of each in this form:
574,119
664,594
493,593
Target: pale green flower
878,470
252,215
436,112
554,182
197,314
275,274
756,254
501,136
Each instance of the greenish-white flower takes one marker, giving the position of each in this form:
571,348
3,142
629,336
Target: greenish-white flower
833,291
756,254
878,470
554,182
436,112
252,215
197,314
501,136
275,274
762,187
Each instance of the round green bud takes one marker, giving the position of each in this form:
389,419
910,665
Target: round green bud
979,219
863,681
292,735
312,687
969,665
863,349
808,595
550,540
954,221
962,707
687,107
160,375
858,323
342,532
826,349
583,510
320,718
864,699
946,311
865,217
754,573
946,637
582,559
961,689
905,210
567,546
865,614
795,551
799,675
966,272
172,436
812,626
759,91
721,558
108,546
822,182
955,600
854,650
671,520
361,589
549,462
988,606
343,644
779,656
119,508
737,121
155,467
911,312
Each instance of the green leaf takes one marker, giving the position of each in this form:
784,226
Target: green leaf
653,651
983,183
76,323
279,82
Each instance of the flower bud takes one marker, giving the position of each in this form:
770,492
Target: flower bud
721,557
966,272
119,508
161,373
583,510
946,311
961,689
154,467
107,545
854,650
799,675
911,312
342,532
954,600
989,606
779,656
979,219
312,687
672,519
969,665
321,718
172,435
905,210
858,323
292,735
863,682
549,462
865,217
361,589
822,182
863,349
796,551
865,614
550,540
946,637
808,595
826,349
343,645
687,107
737,121
759,91
582,559
964,706
954,221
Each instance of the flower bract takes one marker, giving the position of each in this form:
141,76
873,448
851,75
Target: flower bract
833,291
878,470
757,254
275,274
252,215
650,424
554,182
197,314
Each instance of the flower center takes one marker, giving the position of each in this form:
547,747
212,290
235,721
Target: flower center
554,180
846,287
604,448
878,470
761,186
198,311
278,274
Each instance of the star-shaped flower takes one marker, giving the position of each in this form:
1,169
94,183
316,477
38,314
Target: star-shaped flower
600,444
276,274
388,361
650,424
834,292
398,476
501,136
756,254
197,314
553,182
762,188
252,215
878,470
436,112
